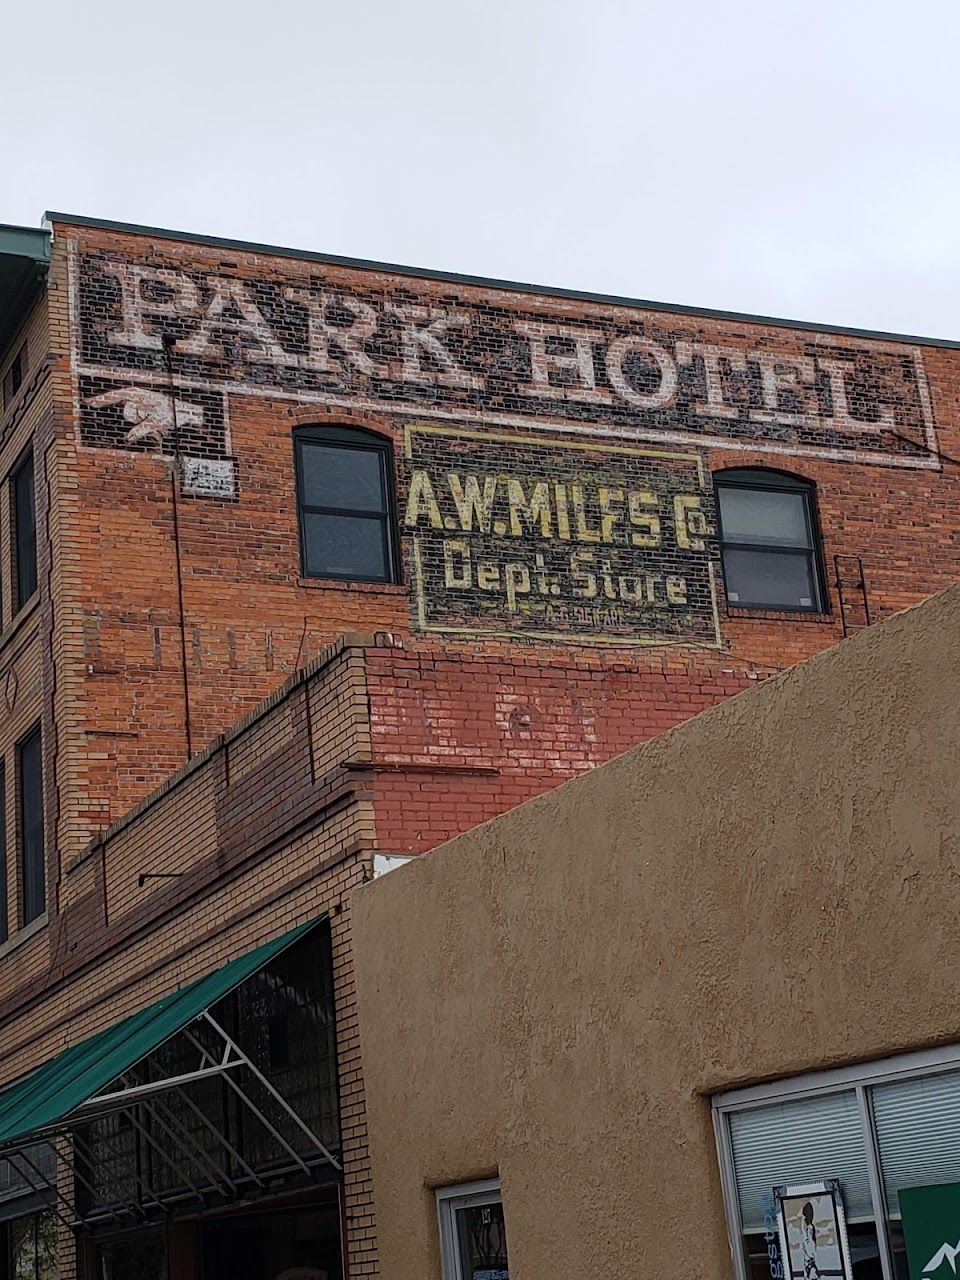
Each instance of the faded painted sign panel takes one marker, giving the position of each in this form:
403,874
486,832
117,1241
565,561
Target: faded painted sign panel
503,360
539,535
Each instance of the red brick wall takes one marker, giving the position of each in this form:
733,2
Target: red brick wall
537,387
268,829
457,741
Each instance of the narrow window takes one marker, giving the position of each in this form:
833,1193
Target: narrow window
24,529
13,378
30,780
3,852
473,1238
769,541
345,500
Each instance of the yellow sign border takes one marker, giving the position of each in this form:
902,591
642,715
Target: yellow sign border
561,637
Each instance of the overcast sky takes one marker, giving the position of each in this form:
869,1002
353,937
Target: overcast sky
789,157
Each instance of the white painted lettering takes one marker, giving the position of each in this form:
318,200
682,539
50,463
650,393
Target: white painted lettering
172,294
576,365
424,332
617,353
792,375
233,311
836,371
715,404
321,334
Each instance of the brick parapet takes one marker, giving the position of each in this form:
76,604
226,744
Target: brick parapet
251,618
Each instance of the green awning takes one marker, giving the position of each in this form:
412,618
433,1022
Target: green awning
47,1097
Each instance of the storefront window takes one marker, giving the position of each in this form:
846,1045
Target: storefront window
283,1017
918,1139
473,1237
31,1248
204,1135
302,1245
877,1130
796,1143
142,1256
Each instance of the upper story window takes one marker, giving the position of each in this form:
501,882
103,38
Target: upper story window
3,852
30,815
24,529
345,500
769,540
13,378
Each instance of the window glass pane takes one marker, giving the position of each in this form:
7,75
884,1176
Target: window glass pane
346,546
25,531
3,868
482,1240
763,516
301,1245
338,476
14,1188
802,1141
770,579
864,1254
47,1256
23,1252
918,1133
285,1023
31,827
138,1257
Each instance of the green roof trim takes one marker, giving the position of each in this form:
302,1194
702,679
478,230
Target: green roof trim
24,261
47,1097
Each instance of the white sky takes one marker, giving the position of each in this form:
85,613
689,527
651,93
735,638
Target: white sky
789,157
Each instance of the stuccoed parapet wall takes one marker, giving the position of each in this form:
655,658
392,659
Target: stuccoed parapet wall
762,892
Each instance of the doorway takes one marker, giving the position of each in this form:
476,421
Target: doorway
301,1244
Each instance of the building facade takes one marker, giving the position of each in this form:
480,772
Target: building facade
734,1050
551,526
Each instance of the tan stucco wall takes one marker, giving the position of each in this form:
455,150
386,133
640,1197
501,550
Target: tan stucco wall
771,888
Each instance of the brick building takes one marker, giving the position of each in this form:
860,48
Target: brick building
549,526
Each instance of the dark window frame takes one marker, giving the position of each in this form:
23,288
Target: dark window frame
764,480
16,373
23,551
352,439
32,1220
33,875
4,902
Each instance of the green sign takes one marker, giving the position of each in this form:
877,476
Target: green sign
931,1229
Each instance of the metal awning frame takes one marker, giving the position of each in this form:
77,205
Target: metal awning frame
227,1062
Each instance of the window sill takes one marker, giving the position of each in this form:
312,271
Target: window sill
780,615
23,935
339,584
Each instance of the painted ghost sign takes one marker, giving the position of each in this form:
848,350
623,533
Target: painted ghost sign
495,358
558,538
130,416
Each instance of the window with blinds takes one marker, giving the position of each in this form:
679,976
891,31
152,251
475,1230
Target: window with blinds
800,1141
918,1133
878,1129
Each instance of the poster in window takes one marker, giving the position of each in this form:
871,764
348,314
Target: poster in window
813,1231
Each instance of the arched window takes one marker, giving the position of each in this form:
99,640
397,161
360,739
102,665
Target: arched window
346,505
770,541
